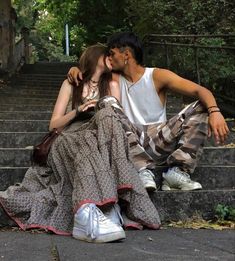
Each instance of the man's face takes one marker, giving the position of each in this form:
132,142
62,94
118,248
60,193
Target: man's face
117,59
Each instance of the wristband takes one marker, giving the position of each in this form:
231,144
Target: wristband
212,107
213,111
77,112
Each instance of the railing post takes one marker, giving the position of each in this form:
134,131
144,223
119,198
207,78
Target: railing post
196,61
167,54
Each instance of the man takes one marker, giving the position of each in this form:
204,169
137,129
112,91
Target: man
177,142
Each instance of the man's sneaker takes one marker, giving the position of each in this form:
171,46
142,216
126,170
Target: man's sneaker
175,179
114,214
147,177
91,225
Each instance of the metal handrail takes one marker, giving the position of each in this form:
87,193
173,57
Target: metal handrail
190,35
150,39
194,45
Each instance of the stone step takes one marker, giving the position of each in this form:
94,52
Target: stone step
47,68
20,100
40,82
28,92
24,125
25,115
177,205
230,140
39,85
174,103
27,98
36,88
181,205
24,107
20,139
11,175
211,156
218,156
211,178
47,84
9,135
41,76
30,115
10,139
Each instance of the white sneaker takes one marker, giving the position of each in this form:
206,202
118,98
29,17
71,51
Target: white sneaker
147,177
91,225
114,214
176,179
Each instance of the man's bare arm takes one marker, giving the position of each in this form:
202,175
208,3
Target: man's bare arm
165,79
74,75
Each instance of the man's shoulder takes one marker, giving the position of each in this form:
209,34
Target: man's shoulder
161,77
161,73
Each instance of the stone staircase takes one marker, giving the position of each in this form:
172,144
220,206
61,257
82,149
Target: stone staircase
25,110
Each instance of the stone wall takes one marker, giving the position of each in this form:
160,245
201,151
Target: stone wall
7,35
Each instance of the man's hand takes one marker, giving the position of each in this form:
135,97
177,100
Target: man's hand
74,75
218,127
85,106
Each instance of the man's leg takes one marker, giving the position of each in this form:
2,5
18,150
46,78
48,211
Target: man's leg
141,160
179,143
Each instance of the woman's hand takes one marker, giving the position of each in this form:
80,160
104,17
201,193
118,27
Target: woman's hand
74,75
85,106
218,127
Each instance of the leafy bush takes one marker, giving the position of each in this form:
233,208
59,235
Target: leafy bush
225,212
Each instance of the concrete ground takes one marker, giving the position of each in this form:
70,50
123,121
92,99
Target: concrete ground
163,245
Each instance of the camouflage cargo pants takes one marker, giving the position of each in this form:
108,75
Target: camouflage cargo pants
177,142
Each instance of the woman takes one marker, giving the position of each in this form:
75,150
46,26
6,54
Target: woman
88,170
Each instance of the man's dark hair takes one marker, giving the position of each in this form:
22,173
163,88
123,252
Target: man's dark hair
130,40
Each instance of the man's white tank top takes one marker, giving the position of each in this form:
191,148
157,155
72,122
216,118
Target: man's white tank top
140,100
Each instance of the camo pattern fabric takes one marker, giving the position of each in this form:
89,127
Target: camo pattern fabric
177,142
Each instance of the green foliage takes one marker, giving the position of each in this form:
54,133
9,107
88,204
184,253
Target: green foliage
89,21
92,21
101,18
26,13
182,17
225,212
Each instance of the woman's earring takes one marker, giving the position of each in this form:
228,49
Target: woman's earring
125,62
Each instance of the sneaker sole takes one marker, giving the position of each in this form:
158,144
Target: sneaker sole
115,236
150,186
167,188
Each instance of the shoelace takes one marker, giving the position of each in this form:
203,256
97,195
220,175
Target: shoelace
94,213
146,173
177,169
118,212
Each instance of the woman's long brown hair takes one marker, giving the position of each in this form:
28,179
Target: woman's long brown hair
87,65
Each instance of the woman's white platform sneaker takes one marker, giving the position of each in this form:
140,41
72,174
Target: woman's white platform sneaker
91,225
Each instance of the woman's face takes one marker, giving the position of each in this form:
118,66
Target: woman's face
104,62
